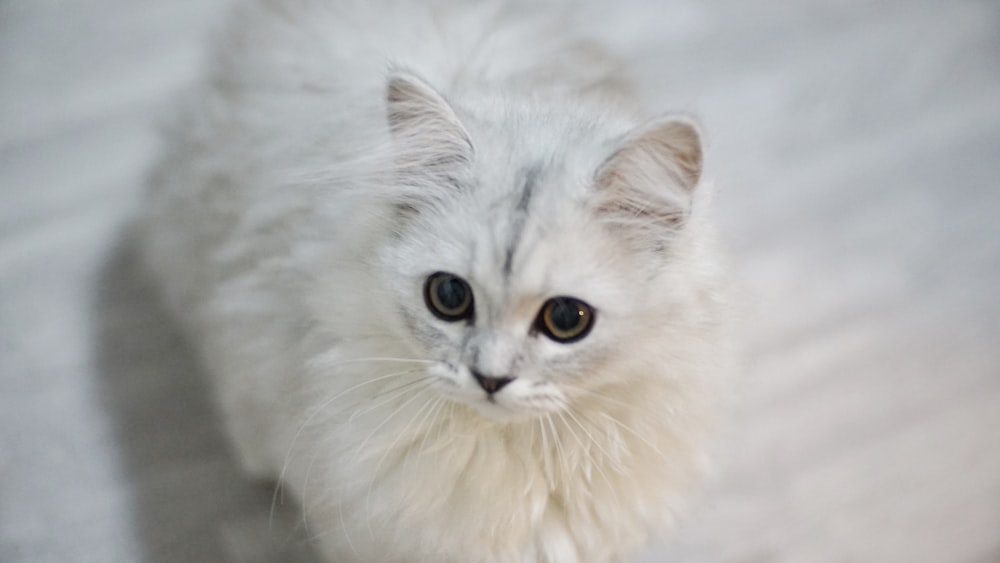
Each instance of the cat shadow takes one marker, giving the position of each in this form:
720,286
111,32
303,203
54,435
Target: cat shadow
189,501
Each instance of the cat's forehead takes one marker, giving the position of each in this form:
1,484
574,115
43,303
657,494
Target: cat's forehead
509,137
519,226
534,244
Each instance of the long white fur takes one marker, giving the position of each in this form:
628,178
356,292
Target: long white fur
292,223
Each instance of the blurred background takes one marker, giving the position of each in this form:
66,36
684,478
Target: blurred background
856,149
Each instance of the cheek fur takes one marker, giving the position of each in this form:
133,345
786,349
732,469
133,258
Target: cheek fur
428,336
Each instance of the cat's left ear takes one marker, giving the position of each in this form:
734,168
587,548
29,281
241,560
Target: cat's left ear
423,124
654,171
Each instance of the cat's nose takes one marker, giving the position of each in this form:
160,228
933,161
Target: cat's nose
491,384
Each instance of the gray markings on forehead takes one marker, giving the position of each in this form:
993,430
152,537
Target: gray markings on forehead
530,179
520,216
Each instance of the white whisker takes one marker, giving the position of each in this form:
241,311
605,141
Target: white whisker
590,457
636,434
344,526
446,419
320,362
559,450
305,480
431,420
364,443
392,446
545,451
613,459
583,446
390,395
601,396
306,422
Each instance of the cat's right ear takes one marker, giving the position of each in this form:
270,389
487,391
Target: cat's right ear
653,172
424,126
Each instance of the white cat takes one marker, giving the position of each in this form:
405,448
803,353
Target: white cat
451,292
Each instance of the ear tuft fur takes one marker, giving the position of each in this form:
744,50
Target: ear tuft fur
420,119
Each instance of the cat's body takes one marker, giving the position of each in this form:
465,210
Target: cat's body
313,189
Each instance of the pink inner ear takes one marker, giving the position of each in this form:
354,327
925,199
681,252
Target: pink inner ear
653,173
431,145
417,111
677,145
667,150
627,203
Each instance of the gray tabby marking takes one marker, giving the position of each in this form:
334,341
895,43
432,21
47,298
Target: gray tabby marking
520,217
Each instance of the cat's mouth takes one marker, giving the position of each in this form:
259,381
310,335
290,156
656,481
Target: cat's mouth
500,400
491,409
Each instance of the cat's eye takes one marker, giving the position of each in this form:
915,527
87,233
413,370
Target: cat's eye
565,319
448,296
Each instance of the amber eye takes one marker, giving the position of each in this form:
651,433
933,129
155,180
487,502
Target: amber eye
448,296
565,319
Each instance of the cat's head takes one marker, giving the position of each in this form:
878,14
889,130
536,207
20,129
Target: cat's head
538,254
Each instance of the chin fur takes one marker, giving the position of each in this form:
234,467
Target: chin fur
423,478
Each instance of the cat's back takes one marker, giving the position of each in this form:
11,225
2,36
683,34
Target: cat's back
464,48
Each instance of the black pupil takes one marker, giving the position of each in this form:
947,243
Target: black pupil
451,293
565,315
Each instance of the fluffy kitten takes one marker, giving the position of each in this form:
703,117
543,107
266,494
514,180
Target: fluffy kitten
451,292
